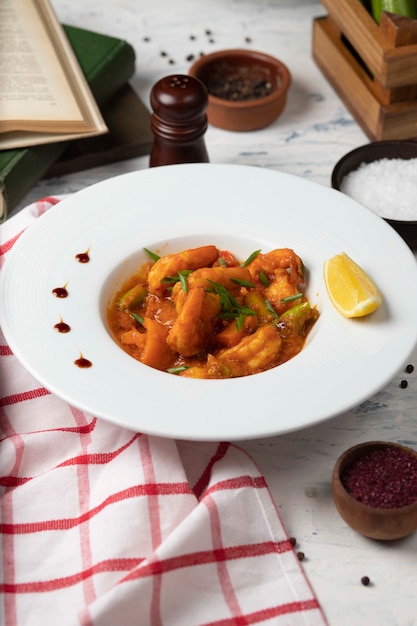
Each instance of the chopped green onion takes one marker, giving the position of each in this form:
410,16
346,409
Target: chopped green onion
231,309
271,308
234,313
138,318
154,257
228,315
132,298
296,318
290,298
247,311
169,280
222,262
239,322
227,301
177,370
243,283
183,279
264,279
180,277
251,257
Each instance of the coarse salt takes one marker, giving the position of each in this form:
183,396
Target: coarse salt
388,187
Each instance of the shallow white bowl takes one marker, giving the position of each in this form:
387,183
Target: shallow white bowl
169,208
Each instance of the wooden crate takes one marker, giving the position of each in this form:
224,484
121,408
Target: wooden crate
373,68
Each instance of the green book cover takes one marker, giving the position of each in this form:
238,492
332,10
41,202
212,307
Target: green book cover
107,63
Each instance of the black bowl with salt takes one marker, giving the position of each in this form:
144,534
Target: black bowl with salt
382,176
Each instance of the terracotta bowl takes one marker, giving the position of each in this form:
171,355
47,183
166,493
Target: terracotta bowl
375,151
218,69
371,521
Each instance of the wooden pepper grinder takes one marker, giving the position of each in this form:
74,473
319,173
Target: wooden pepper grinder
179,121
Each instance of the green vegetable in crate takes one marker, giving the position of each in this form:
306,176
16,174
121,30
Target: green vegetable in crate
406,8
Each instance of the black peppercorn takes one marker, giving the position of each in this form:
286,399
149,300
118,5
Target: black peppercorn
301,556
409,369
365,580
403,384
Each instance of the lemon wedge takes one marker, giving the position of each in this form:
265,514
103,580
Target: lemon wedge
351,291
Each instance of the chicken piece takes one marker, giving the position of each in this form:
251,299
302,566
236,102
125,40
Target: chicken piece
281,258
225,276
281,287
258,351
178,296
214,369
195,322
161,309
226,258
231,335
218,369
171,264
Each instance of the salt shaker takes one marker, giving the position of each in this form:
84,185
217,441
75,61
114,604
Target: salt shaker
179,121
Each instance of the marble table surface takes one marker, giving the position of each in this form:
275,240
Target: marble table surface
314,131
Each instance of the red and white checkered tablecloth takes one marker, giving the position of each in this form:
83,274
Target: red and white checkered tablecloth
103,526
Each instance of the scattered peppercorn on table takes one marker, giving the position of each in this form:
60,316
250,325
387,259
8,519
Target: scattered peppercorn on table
357,580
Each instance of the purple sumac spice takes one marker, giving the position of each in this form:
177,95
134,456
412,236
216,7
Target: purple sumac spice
385,478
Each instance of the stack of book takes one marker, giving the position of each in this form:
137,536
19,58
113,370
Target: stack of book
119,123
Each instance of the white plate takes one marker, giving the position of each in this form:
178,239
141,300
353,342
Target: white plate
236,207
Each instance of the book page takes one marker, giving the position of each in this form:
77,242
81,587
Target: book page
42,88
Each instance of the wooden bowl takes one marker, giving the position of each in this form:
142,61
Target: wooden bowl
219,69
375,151
371,521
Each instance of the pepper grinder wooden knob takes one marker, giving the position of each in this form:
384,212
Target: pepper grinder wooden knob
178,121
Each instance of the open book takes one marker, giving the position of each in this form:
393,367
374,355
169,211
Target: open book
44,96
